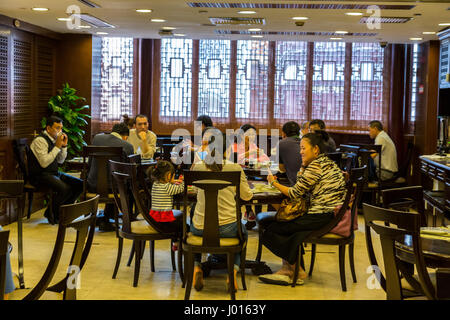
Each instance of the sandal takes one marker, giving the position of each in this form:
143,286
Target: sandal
235,282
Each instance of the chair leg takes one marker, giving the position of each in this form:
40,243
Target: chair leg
130,259
230,262
189,273
352,260
172,256
242,267
30,203
342,267
297,265
259,253
152,255
137,262
180,262
119,256
313,259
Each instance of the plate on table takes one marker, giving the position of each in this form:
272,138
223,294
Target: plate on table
263,187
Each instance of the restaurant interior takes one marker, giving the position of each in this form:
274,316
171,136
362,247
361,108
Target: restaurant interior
264,63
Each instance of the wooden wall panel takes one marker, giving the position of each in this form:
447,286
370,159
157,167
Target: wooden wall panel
4,117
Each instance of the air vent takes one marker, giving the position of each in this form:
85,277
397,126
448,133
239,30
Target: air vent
385,19
94,21
89,4
286,33
238,21
165,33
222,5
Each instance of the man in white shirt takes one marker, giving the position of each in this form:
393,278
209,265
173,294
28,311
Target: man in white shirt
389,164
142,139
47,151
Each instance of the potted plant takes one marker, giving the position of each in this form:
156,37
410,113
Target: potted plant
69,107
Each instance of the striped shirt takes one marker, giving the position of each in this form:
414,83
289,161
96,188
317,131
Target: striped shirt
162,195
324,182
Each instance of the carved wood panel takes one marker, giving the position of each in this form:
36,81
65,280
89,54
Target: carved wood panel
4,86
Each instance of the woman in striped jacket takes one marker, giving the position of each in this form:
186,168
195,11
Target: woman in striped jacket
323,182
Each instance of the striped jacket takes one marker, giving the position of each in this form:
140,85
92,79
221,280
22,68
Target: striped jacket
324,182
162,195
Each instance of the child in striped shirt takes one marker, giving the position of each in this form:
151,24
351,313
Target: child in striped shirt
164,188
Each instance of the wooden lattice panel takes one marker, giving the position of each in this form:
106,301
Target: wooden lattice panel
44,81
3,86
22,79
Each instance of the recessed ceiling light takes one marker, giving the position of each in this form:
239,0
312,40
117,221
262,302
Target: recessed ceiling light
300,18
254,29
334,38
40,9
428,32
444,24
257,36
341,32
102,33
158,20
168,28
64,19
246,12
85,27
179,34
415,39
143,10
354,13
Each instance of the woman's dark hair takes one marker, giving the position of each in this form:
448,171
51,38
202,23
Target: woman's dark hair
128,121
206,120
319,122
317,138
247,127
121,128
213,163
291,129
160,169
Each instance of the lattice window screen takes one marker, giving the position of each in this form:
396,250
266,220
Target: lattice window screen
22,79
44,82
290,80
413,104
367,82
3,86
214,78
116,78
252,79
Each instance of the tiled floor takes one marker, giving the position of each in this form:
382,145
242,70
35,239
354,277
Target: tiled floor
165,284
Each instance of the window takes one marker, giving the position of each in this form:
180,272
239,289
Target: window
176,78
252,79
412,114
214,78
116,97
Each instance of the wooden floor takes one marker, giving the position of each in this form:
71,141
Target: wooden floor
165,284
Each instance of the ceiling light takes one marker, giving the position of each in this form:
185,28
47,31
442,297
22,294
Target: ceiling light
341,32
254,30
143,10
64,19
158,20
428,32
415,39
85,27
246,12
102,33
168,28
444,24
40,9
300,18
354,13
333,38
257,36
179,34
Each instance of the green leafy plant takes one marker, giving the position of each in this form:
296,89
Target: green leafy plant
70,107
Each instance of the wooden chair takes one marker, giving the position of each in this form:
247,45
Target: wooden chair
324,236
405,199
211,183
392,226
336,157
22,152
81,217
124,182
399,178
4,234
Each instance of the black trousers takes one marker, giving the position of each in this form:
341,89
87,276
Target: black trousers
67,188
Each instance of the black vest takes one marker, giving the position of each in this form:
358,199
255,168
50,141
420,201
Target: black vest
35,168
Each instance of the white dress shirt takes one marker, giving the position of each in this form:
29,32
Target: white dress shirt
39,147
136,141
388,156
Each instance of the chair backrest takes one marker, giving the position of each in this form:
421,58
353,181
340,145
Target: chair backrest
11,188
403,199
80,216
125,187
336,157
404,167
101,154
4,234
21,151
135,158
352,196
211,183
392,226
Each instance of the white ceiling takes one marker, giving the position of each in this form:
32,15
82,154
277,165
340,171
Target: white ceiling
188,20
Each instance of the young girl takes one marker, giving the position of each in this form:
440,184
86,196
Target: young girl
164,188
